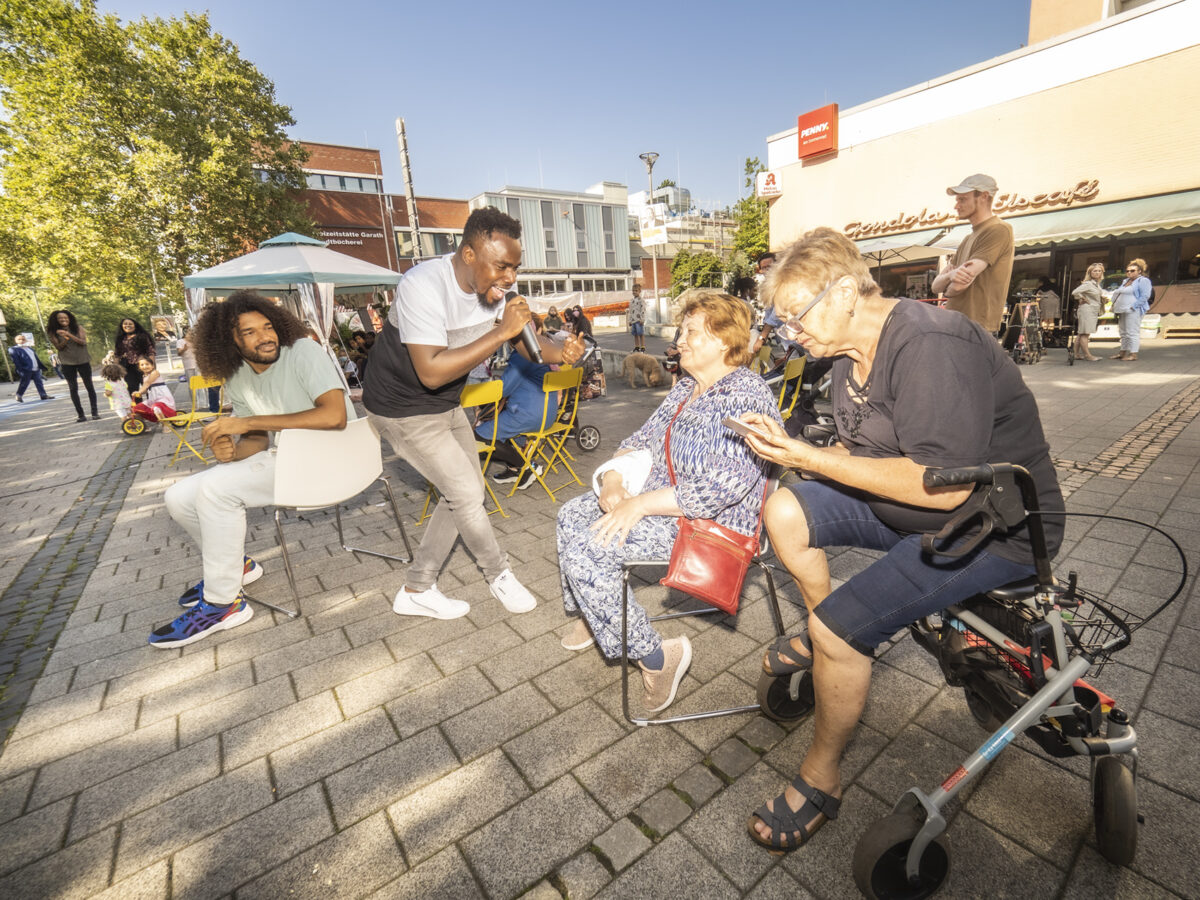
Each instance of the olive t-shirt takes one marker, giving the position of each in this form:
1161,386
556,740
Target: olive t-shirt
943,393
983,302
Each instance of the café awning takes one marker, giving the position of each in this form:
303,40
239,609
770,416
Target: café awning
1101,220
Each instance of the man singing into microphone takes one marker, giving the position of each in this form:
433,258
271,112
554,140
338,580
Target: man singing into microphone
450,315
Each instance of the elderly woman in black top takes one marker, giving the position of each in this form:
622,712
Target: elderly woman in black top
913,386
132,343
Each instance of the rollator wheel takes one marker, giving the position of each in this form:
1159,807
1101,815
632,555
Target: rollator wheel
1070,355
1114,804
879,860
133,426
980,711
776,700
588,437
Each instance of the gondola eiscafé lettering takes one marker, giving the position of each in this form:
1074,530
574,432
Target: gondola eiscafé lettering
1006,202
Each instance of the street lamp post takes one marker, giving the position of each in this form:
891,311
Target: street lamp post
649,159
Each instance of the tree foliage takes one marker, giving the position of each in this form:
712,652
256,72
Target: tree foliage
690,270
666,182
753,236
131,154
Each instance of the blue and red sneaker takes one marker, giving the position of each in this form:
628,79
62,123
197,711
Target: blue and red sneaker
251,572
202,619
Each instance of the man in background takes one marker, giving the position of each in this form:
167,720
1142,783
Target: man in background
29,368
976,281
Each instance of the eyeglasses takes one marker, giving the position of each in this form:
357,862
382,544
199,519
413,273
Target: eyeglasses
793,325
1132,269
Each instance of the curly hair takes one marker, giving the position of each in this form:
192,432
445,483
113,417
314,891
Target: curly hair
487,220
217,355
72,322
137,330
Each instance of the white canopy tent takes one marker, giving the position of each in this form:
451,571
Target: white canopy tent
293,265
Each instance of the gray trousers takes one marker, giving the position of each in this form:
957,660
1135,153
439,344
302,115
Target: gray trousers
1129,326
441,447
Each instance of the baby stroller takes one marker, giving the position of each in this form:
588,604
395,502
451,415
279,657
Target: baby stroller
593,385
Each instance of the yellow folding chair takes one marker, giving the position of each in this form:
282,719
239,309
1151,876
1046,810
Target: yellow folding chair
548,443
181,423
793,370
473,395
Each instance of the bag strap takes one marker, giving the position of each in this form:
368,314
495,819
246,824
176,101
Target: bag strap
671,471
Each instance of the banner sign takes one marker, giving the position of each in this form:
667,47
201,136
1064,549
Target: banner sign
768,184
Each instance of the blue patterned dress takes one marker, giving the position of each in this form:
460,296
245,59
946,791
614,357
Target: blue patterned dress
717,477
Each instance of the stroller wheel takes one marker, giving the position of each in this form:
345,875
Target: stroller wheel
133,426
1114,804
588,437
881,855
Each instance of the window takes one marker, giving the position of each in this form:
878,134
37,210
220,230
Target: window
1189,258
315,181
514,208
560,286
581,255
548,233
1157,255
610,255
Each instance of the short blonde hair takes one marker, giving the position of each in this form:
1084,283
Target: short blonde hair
817,259
725,317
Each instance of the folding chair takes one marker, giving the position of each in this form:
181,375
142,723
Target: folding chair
473,395
548,443
181,423
793,371
764,548
319,469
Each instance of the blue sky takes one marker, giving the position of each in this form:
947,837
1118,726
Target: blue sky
565,94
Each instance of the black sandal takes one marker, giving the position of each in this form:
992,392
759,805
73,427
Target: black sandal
781,658
784,823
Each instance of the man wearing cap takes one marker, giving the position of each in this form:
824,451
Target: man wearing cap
976,281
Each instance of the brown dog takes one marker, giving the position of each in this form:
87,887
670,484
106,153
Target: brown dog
652,372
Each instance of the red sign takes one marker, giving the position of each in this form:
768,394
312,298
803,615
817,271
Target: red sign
818,131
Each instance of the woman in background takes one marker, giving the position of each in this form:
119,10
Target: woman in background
132,343
1130,302
1089,297
70,340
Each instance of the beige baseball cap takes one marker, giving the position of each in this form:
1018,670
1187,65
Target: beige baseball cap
977,182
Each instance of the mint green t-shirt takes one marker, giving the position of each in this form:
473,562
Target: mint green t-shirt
303,372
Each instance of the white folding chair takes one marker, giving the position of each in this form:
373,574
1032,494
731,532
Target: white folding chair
319,469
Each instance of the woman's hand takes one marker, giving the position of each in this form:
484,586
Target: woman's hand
612,491
777,447
619,522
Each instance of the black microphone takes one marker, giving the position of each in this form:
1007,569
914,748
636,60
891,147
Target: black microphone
528,335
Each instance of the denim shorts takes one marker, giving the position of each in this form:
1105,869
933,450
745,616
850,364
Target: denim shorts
637,329
904,585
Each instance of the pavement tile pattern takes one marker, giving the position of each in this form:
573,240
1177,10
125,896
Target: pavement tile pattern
351,752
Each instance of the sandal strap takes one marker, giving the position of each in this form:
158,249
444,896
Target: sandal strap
817,798
784,823
782,657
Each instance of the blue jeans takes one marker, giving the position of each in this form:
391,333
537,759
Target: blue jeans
637,329
904,585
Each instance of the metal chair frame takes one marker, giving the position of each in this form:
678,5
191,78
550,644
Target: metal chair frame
553,433
181,423
482,394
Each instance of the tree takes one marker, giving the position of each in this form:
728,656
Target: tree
132,154
690,270
666,182
753,234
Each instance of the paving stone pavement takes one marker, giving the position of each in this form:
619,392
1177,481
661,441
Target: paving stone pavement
351,752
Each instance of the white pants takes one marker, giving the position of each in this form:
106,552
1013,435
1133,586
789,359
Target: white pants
211,507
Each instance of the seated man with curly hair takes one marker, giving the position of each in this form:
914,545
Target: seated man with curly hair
276,378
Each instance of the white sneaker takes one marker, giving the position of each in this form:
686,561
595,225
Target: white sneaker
514,595
432,603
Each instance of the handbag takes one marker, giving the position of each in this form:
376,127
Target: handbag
709,561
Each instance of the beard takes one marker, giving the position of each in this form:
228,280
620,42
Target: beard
263,354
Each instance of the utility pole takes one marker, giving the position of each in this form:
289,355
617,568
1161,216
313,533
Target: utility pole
649,158
414,227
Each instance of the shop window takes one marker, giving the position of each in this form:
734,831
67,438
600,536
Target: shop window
1189,258
1157,255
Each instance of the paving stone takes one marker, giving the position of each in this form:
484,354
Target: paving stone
577,679
559,744
396,771
383,685
699,784
300,654
32,836
672,862
990,864
443,875
1167,841
77,871
233,709
511,852
429,634
635,767
622,844
221,862
147,785
491,723
149,884
305,761
455,805
761,734
169,672
13,794
583,876
663,812
915,758
524,661
273,730
64,708
197,692
102,761
245,646
1093,876
161,830
439,700
63,740
336,670
474,648
733,758
778,885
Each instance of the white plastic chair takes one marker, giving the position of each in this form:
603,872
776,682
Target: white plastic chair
319,469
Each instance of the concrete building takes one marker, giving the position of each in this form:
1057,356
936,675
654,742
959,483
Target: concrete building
1089,131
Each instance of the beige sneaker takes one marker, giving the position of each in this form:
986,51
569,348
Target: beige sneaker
661,686
579,637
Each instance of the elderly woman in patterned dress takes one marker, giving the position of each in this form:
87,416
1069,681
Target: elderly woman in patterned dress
633,509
